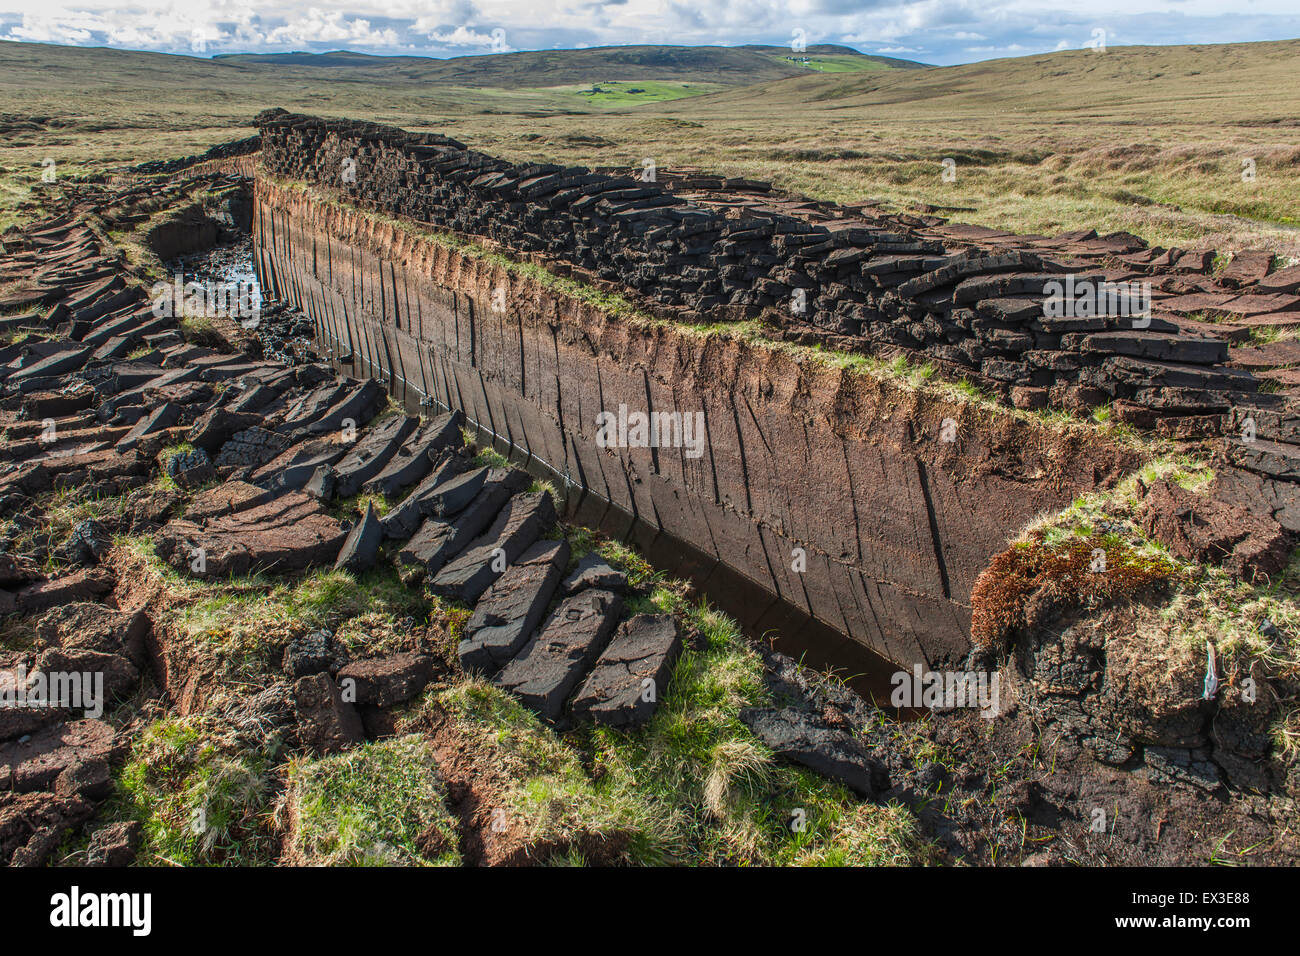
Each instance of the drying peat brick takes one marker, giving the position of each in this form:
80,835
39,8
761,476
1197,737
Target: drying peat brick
225,499
415,458
1271,458
1153,345
214,428
593,571
437,541
322,483
65,589
311,653
1200,528
68,360
294,468
165,416
451,497
623,688
362,544
401,522
96,627
191,469
830,752
326,722
385,681
115,844
1247,267
312,406
290,533
251,448
552,663
356,407
372,453
1261,495
36,763
1284,280
520,523
20,720
508,613
1282,424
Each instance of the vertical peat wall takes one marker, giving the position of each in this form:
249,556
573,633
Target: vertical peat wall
803,463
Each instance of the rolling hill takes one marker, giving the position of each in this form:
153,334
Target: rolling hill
729,66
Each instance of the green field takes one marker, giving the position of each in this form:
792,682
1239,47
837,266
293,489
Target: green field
616,93
834,64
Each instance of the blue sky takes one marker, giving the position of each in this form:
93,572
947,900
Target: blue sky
934,31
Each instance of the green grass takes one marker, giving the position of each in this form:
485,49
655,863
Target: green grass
381,804
833,64
202,797
614,94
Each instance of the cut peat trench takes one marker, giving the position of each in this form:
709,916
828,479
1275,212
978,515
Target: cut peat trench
847,469
823,506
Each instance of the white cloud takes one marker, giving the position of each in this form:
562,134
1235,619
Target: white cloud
953,30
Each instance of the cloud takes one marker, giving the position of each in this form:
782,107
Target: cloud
947,30
466,36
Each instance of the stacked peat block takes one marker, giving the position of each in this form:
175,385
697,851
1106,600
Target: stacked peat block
972,301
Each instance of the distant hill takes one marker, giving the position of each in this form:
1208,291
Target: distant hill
729,66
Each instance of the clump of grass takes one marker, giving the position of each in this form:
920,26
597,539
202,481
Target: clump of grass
490,458
201,798
1050,568
381,804
165,457
246,623
200,330
552,803
60,512
350,507
539,485
1204,603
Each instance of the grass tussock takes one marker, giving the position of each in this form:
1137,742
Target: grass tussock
203,796
1250,624
381,804
246,624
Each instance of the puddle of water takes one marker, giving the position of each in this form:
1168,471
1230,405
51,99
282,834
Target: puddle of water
229,266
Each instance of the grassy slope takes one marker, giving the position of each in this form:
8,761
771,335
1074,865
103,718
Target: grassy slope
1143,138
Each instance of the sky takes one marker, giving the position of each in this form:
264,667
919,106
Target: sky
932,31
